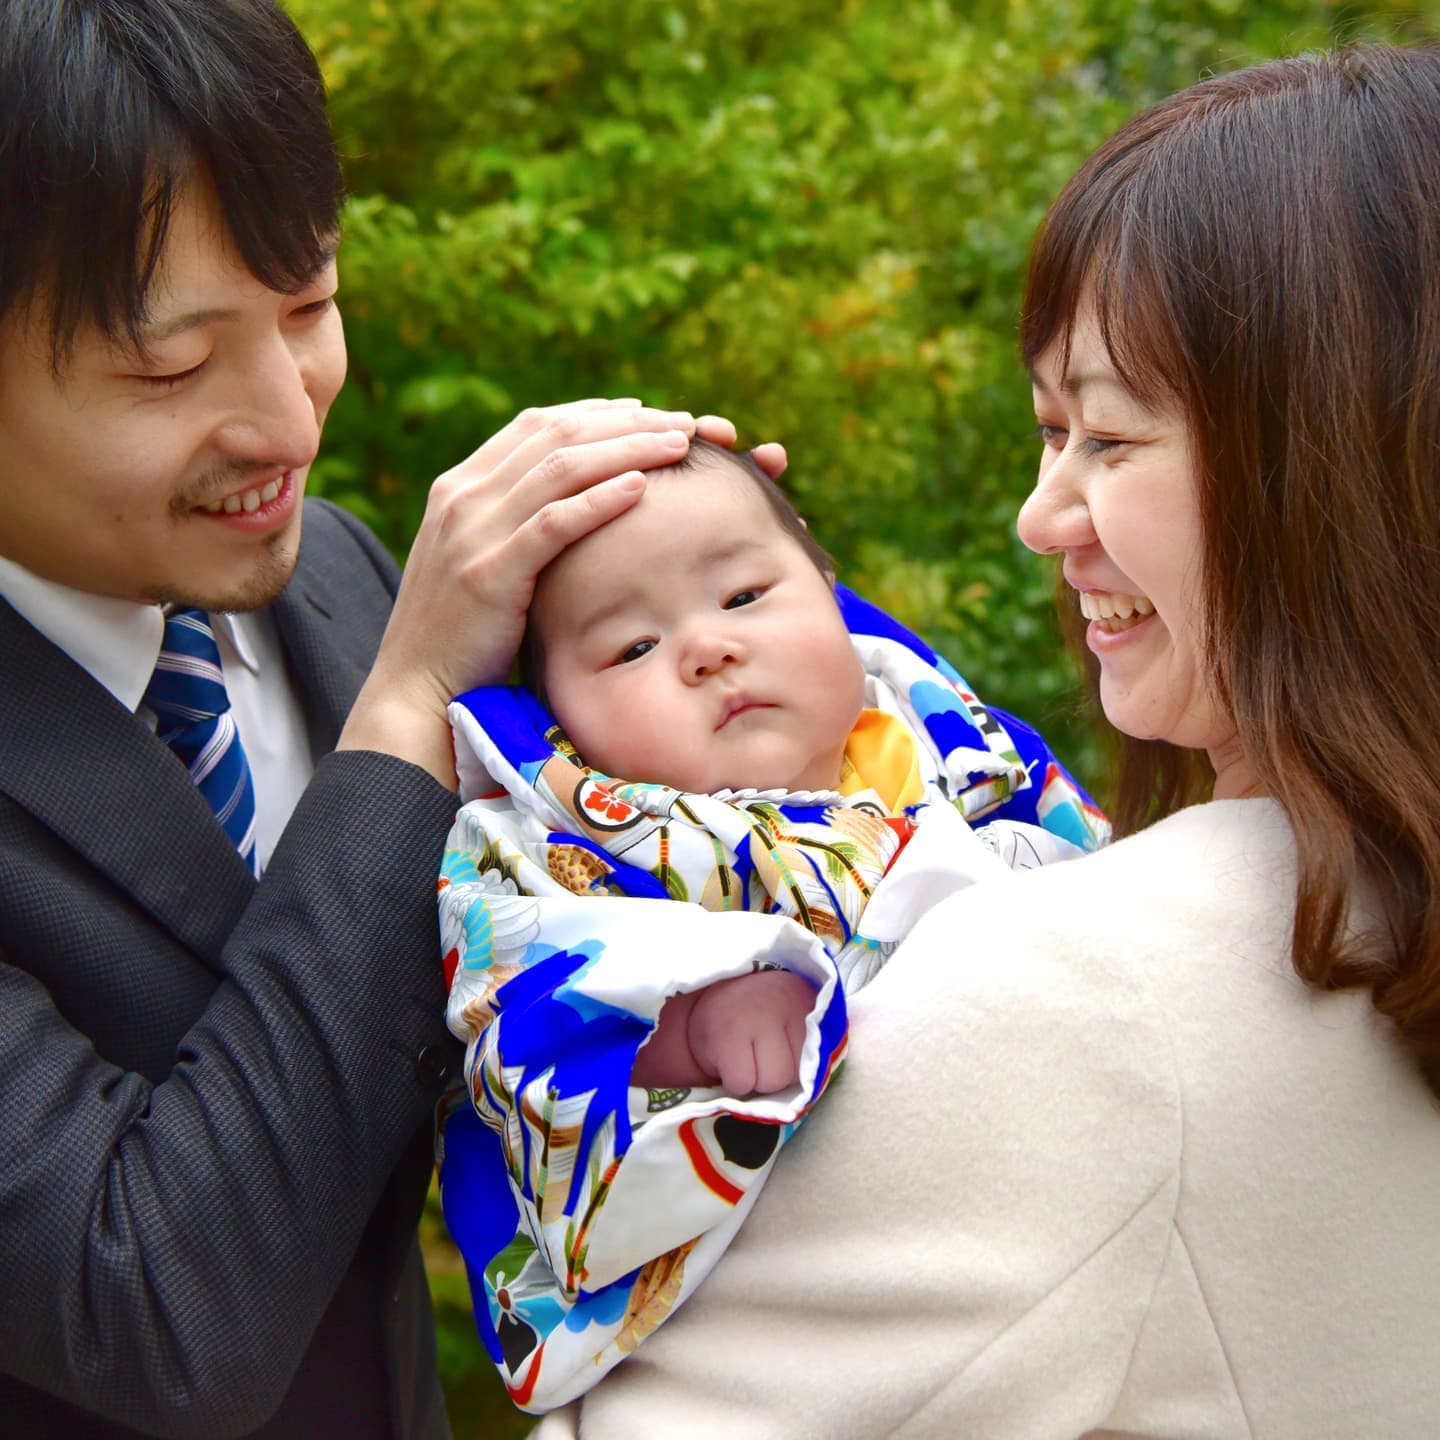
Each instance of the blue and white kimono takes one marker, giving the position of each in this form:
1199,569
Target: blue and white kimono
587,1209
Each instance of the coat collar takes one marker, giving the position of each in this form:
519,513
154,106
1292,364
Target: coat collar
119,797
113,792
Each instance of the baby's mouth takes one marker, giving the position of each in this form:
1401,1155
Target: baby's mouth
738,706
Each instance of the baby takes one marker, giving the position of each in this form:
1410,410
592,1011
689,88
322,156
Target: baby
802,757
721,663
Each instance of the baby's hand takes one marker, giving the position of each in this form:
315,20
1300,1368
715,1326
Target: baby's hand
744,1034
747,1033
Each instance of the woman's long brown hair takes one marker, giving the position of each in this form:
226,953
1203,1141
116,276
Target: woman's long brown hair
1262,251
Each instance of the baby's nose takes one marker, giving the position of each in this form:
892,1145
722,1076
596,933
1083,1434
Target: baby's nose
709,654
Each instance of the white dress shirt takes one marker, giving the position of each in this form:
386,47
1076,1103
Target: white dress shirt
118,642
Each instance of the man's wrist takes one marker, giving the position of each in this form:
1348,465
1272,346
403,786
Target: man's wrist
411,726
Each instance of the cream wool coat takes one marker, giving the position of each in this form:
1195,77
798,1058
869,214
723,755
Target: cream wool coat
1114,1170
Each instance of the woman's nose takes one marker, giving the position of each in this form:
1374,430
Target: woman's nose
1055,516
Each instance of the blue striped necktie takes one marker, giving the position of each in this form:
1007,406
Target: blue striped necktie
187,694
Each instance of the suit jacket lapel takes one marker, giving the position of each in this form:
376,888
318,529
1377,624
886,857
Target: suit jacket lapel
96,777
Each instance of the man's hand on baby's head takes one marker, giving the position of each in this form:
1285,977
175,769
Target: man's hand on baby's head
747,1033
770,455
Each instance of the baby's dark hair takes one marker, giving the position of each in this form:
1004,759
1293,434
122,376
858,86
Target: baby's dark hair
703,453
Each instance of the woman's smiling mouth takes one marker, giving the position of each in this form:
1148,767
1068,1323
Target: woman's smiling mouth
1114,613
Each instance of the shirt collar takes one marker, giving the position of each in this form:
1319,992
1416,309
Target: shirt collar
115,641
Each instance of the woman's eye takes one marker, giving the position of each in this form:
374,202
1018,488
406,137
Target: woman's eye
169,382
742,597
1099,444
639,648
317,307
1057,437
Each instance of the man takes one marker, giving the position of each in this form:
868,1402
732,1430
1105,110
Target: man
218,1090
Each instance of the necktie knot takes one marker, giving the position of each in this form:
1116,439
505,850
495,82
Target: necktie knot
192,713
188,685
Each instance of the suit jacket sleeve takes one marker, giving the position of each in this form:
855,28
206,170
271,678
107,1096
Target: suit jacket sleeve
169,1243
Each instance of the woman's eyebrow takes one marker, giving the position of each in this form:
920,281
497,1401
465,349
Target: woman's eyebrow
179,324
1075,382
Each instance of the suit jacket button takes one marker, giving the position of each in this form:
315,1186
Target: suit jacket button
431,1067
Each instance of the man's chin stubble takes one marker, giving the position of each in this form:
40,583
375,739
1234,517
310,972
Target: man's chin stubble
272,573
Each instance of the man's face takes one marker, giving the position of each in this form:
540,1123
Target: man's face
176,475
691,642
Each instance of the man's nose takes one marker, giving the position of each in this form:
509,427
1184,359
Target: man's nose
273,419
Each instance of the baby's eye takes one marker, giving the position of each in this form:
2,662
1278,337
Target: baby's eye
1054,436
742,597
639,648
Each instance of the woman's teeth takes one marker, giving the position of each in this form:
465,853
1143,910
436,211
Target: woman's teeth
248,500
1115,612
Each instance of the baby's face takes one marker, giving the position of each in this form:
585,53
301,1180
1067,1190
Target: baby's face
692,643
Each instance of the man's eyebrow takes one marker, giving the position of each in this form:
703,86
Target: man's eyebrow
193,319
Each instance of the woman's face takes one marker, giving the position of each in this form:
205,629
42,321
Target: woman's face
1116,498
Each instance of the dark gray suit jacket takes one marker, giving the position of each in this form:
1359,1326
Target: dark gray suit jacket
217,1095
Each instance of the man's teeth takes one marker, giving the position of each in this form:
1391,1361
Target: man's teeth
248,500
1115,612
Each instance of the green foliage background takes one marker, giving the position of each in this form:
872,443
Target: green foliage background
810,215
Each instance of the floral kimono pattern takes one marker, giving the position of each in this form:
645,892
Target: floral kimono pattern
587,1209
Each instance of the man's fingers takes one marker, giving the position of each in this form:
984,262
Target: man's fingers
562,522
529,423
715,428
562,473
771,458
559,457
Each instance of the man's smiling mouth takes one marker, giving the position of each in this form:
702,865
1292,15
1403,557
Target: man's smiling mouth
248,501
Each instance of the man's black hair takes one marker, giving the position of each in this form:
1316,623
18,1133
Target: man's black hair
109,108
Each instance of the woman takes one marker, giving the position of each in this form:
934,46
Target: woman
1159,1153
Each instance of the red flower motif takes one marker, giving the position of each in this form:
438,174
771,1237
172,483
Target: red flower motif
602,802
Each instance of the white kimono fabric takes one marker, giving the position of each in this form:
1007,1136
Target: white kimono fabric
588,1209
